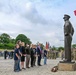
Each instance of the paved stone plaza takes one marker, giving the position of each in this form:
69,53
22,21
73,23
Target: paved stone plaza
6,68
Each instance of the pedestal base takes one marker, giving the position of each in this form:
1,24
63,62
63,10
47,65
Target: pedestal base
67,66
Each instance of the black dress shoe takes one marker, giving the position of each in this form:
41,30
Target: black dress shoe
28,67
20,70
24,68
31,66
39,65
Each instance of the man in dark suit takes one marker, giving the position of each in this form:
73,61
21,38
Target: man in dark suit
68,33
39,52
5,54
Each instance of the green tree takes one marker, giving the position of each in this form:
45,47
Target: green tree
74,46
23,38
9,46
4,38
6,42
60,48
53,48
12,41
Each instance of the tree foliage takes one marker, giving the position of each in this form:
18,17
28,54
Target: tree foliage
12,41
60,48
53,48
6,42
4,38
23,38
74,46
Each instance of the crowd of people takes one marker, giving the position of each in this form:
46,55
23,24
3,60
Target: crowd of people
8,55
23,50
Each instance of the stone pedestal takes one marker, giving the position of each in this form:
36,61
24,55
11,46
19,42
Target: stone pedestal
67,66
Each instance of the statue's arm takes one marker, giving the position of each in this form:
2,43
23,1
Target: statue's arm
72,32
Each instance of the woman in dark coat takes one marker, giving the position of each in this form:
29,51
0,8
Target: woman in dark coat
23,55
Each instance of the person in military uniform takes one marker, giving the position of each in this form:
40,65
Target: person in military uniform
68,33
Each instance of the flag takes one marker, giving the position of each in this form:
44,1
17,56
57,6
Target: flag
46,45
75,12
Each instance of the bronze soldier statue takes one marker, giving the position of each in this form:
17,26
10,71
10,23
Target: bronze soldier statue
68,33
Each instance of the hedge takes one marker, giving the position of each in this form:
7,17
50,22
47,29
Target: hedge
7,46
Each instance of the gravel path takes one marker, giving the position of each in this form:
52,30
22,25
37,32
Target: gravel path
6,68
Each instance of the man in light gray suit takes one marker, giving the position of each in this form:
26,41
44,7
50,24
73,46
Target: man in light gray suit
68,33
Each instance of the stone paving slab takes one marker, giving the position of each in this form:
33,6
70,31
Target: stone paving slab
6,68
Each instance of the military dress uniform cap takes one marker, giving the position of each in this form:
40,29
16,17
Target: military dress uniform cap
66,16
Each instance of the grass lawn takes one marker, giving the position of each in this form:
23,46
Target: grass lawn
5,49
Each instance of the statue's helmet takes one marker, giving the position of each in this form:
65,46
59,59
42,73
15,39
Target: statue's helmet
66,16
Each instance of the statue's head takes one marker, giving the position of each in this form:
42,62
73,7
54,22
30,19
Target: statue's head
66,17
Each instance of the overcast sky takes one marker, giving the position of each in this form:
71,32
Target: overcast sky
39,20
